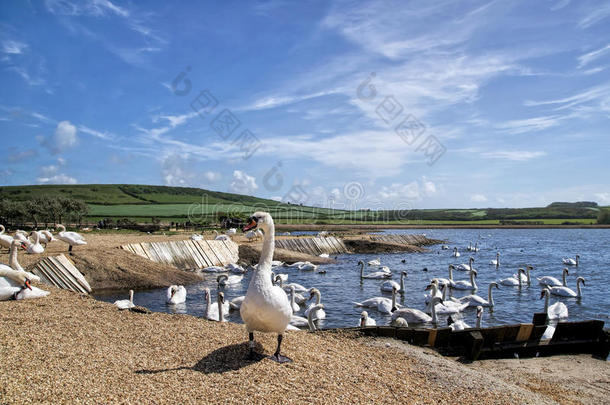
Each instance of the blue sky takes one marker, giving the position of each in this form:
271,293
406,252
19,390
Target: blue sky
345,104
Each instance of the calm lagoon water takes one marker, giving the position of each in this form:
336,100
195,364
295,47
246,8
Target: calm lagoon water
541,248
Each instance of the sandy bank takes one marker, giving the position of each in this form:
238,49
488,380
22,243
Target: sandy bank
67,348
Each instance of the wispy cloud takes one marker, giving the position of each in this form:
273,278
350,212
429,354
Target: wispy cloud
587,58
598,13
516,155
529,124
101,135
592,94
13,47
97,8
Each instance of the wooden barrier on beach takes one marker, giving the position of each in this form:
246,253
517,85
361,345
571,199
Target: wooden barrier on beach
523,340
408,239
60,272
313,246
188,254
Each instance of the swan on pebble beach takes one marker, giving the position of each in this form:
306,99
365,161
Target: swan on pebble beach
266,307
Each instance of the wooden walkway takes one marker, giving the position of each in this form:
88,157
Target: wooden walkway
409,239
312,246
187,254
60,272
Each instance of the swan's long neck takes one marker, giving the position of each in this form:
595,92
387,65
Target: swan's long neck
12,261
36,238
221,315
131,296
61,228
268,247
490,297
497,260
546,302
433,310
519,277
578,292
472,280
318,297
292,297
565,273
2,229
444,289
527,272
208,302
402,282
450,273
478,322
393,300
470,263
312,326
361,269
577,261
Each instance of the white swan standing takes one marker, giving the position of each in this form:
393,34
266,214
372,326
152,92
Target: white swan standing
365,320
176,294
496,261
375,275
320,313
125,304
266,307
71,238
552,281
46,237
388,285
557,310
567,292
570,261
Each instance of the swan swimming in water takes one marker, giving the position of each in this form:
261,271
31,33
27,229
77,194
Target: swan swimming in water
567,292
455,252
475,300
412,315
465,285
390,284
365,320
266,307
513,281
570,261
449,281
496,261
466,267
552,281
375,262
125,304
320,314
375,275
557,310
215,311
224,279
176,294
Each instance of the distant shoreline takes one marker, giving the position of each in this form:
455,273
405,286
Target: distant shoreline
343,227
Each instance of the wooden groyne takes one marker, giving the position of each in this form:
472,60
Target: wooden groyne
407,239
507,341
60,272
188,254
313,246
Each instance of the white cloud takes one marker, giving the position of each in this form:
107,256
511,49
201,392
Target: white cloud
595,15
50,174
97,8
13,47
478,198
529,124
517,155
65,137
102,135
243,183
603,198
587,58
212,177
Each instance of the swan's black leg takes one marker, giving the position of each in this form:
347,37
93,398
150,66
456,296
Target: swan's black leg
70,250
277,356
252,355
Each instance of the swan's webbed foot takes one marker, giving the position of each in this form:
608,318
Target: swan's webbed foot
280,359
252,355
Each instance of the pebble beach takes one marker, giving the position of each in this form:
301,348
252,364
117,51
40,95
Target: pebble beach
70,348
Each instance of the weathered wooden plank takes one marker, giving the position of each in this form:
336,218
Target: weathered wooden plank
525,330
205,252
70,282
191,248
217,258
69,266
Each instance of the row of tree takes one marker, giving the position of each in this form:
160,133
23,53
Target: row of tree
42,210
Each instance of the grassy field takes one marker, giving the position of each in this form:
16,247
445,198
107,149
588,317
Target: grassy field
140,203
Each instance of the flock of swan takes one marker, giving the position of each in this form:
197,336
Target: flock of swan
15,282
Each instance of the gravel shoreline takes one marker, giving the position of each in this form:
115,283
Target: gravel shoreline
70,348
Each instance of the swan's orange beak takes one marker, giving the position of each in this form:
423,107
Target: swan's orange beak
24,246
27,284
250,225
